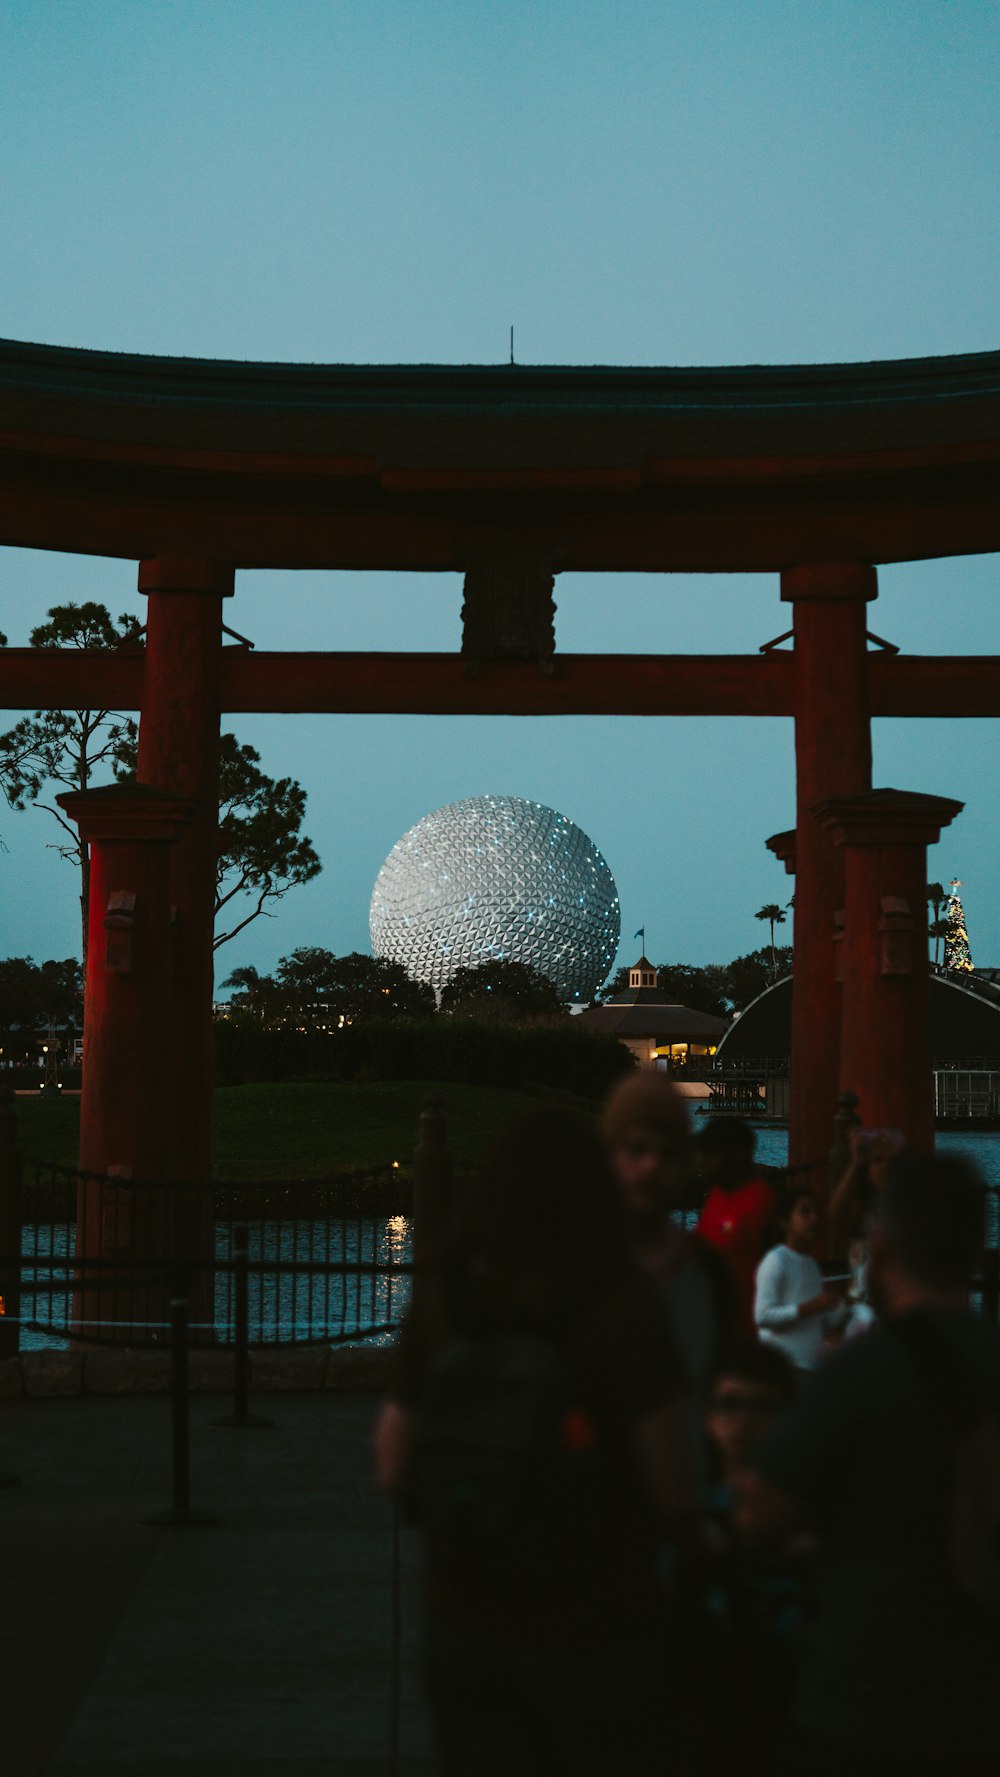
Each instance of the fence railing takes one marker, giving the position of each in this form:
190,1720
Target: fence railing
96,1259
324,1261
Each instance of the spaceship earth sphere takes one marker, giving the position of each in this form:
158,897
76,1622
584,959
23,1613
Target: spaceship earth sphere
497,878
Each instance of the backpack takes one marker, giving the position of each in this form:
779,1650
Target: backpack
968,1428
510,1476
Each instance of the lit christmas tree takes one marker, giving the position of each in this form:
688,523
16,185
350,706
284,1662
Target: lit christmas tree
957,954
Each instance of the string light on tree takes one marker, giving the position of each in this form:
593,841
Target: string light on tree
957,954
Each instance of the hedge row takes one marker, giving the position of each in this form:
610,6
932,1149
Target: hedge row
580,1061
364,1193
29,1079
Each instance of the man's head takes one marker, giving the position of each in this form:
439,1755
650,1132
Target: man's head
798,1217
752,1386
648,1136
930,1229
725,1148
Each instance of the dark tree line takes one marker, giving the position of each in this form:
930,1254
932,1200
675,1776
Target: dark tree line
34,996
718,988
314,987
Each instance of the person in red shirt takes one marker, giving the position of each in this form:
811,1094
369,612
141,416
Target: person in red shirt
739,1208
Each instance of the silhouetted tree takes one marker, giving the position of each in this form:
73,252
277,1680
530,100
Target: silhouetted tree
313,981
254,993
262,851
502,992
34,995
775,916
64,748
747,976
938,927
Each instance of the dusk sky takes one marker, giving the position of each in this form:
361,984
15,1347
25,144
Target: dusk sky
398,181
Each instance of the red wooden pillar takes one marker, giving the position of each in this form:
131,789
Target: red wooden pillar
832,758
179,752
885,1042
125,1114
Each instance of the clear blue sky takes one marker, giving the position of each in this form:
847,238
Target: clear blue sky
628,183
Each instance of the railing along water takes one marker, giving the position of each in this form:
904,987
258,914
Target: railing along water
327,1261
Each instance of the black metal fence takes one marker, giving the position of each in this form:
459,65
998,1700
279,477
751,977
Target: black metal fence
323,1261
98,1259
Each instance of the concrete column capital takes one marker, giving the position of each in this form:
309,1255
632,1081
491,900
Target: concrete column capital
182,573
829,582
783,847
886,817
128,811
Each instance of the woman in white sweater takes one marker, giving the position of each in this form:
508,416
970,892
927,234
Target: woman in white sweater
793,1308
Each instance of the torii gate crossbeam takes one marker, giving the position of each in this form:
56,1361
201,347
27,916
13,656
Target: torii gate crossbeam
439,684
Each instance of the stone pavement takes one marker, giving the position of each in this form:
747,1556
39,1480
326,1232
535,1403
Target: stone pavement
261,1646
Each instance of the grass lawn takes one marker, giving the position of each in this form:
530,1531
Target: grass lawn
48,1128
304,1129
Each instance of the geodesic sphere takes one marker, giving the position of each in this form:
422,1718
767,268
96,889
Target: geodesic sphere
497,878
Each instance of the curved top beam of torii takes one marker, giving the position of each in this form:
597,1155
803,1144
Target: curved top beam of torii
427,466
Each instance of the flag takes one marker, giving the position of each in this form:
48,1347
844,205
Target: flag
641,933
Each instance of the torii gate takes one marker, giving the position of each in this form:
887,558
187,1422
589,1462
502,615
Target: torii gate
512,474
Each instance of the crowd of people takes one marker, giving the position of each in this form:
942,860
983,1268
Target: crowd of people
684,1495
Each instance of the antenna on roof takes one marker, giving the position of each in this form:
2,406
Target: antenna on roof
512,343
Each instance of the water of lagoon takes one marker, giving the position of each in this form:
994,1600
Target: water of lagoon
981,1146
363,1298
347,1305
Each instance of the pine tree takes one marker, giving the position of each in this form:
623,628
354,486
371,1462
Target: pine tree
957,954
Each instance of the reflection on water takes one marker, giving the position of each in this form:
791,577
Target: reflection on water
363,1295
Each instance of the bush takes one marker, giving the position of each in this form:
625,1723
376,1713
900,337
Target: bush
579,1061
29,1079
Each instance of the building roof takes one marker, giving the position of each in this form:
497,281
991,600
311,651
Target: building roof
964,1017
640,996
647,1015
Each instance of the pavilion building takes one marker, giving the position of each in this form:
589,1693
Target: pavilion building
659,1032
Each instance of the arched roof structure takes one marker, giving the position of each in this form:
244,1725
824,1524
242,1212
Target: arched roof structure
418,466
964,1021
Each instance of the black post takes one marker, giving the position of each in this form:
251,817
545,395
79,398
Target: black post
241,1414
180,1511
10,1226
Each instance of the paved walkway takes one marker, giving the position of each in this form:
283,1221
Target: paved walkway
262,1646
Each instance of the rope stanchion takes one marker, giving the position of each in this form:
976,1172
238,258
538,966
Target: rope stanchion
241,1415
181,1512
